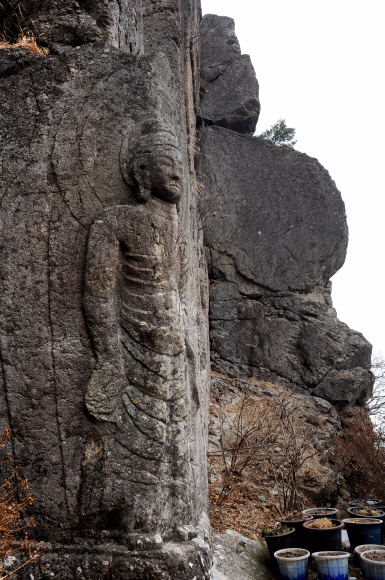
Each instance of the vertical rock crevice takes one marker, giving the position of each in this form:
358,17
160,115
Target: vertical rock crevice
54,376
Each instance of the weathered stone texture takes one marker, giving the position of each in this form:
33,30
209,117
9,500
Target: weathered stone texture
61,23
271,214
182,561
104,354
237,557
230,88
104,351
275,227
219,46
296,340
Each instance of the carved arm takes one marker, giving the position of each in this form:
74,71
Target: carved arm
102,313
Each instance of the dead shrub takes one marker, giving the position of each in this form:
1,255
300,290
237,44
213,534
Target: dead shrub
265,436
25,40
239,428
15,545
295,452
376,402
359,456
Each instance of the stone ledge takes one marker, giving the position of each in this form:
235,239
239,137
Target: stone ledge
82,561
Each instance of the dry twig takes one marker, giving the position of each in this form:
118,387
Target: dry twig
25,40
14,540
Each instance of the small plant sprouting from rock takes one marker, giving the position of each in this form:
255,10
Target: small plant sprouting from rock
279,134
22,38
16,549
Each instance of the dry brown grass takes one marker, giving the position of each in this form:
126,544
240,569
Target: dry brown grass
243,513
358,454
25,40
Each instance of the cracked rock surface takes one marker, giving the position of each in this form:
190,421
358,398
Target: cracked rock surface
275,229
237,557
275,232
230,91
271,215
61,23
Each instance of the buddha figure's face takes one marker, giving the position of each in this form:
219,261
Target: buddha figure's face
158,169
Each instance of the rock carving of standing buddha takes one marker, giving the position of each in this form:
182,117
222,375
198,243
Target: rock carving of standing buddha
137,389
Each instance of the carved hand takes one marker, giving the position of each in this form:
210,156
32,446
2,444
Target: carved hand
104,389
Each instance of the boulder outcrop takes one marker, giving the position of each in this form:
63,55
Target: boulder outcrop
229,86
271,212
294,340
275,231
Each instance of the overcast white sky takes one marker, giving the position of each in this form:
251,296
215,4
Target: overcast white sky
320,66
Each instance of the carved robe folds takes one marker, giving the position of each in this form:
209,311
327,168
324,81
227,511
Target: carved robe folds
139,384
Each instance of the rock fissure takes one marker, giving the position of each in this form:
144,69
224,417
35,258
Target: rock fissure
54,377
59,190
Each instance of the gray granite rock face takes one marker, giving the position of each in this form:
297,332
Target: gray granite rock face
181,561
295,340
103,319
237,557
219,46
271,214
230,88
61,23
275,228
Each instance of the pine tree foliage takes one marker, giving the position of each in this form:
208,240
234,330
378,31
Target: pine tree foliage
279,134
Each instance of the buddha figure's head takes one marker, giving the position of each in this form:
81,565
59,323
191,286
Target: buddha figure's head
153,166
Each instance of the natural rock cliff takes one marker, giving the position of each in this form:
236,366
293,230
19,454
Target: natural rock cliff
228,83
104,335
275,229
